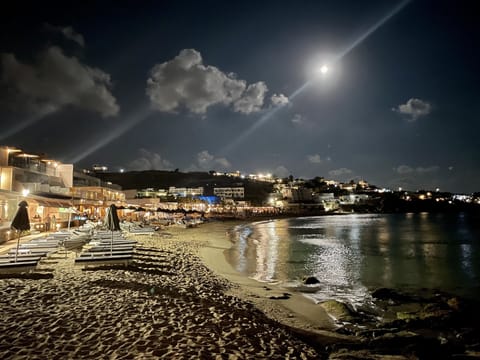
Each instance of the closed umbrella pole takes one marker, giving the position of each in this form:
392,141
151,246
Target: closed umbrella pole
20,222
112,222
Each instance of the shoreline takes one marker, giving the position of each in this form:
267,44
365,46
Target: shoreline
295,310
180,299
419,324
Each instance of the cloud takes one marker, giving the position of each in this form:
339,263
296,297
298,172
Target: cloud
427,170
298,119
56,81
279,100
206,161
185,81
252,98
149,161
340,172
414,109
68,32
281,171
314,159
405,169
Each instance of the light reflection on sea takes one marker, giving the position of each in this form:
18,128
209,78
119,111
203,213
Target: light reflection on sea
353,254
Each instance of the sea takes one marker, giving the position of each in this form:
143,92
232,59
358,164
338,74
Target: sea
351,255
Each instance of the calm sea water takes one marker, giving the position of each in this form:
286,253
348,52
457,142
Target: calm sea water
353,254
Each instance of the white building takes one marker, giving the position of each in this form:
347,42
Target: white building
229,192
184,192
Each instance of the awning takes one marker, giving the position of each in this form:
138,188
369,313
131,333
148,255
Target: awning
52,202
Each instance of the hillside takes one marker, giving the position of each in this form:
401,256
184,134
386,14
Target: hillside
255,191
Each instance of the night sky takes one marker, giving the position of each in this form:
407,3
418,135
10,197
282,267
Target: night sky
235,85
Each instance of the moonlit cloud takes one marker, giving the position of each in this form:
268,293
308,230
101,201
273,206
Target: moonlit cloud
279,100
281,171
405,169
252,99
314,159
185,81
56,81
149,161
69,33
340,172
427,170
414,109
206,162
297,119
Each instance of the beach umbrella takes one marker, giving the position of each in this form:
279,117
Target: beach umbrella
20,222
70,210
112,222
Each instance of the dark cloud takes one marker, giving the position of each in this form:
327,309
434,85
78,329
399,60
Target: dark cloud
405,169
56,81
206,161
337,173
314,159
149,161
281,171
68,32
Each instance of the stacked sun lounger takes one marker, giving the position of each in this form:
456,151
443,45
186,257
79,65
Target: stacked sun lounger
22,262
38,247
139,230
106,248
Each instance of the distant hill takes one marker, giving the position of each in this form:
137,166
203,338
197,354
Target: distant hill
255,191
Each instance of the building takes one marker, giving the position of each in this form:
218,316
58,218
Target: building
51,189
229,192
185,192
44,183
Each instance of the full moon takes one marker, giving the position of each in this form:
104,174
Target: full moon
324,69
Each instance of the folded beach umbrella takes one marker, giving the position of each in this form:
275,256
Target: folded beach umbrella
112,222
20,222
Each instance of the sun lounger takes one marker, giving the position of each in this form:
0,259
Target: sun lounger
36,252
141,231
115,242
108,248
104,260
15,267
105,253
20,258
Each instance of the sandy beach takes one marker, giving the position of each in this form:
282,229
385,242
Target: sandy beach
167,304
179,299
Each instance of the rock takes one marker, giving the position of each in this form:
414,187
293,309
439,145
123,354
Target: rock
310,280
404,315
338,310
283,296
345,354
389,294
454,303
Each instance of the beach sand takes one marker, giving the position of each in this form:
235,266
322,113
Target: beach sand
180,299
166,304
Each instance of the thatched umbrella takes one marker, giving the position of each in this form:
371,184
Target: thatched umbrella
20,222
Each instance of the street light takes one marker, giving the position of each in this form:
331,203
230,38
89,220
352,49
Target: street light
25,192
